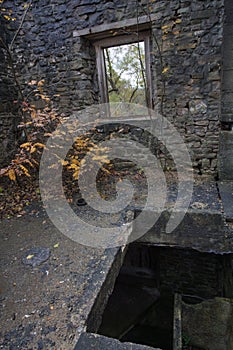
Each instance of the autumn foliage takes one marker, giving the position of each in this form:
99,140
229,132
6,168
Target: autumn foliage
36,126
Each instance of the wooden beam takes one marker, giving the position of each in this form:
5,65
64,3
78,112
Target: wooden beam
110,29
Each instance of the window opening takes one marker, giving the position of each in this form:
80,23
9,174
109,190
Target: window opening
123,64
125,72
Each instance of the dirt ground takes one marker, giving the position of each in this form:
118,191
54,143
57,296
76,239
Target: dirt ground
45,306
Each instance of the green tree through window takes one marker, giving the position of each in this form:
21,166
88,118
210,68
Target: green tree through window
125,69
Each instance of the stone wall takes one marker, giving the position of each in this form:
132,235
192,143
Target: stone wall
191,272
187,272
192,54
8,137
227,86
226,135
189,34
8,94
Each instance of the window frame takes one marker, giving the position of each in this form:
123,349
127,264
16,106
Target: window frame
113,41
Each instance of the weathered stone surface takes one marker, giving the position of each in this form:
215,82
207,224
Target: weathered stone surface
226,155
227,84
36,256
226,193
97,342
61,296
202,228
209,324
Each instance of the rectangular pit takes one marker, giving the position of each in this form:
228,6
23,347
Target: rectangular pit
141,308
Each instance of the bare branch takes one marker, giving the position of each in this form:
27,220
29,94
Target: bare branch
20,25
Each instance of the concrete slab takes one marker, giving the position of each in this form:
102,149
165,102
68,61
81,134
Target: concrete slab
48,306
90,341
203,227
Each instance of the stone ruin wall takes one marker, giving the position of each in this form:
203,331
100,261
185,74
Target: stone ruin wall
190,34
184,271
8,94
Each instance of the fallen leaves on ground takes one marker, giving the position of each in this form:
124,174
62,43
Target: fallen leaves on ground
18,198
15,198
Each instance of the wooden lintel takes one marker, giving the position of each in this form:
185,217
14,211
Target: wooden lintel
109,29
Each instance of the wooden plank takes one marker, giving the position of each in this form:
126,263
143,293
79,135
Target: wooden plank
118,40
148,72
102,79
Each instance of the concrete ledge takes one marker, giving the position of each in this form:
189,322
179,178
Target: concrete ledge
203,231
88,341
203,227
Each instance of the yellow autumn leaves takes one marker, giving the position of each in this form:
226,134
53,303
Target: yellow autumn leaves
6,13
11,174
30,147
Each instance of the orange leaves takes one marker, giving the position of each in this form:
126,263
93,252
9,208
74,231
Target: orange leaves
41,83
30,162
41,93
25,145
30,147
17,166
39,120
38,144
15,169
75,161
11,174
33,149
74,166
25,170
33,113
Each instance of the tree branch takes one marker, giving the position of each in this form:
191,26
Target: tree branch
20,25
